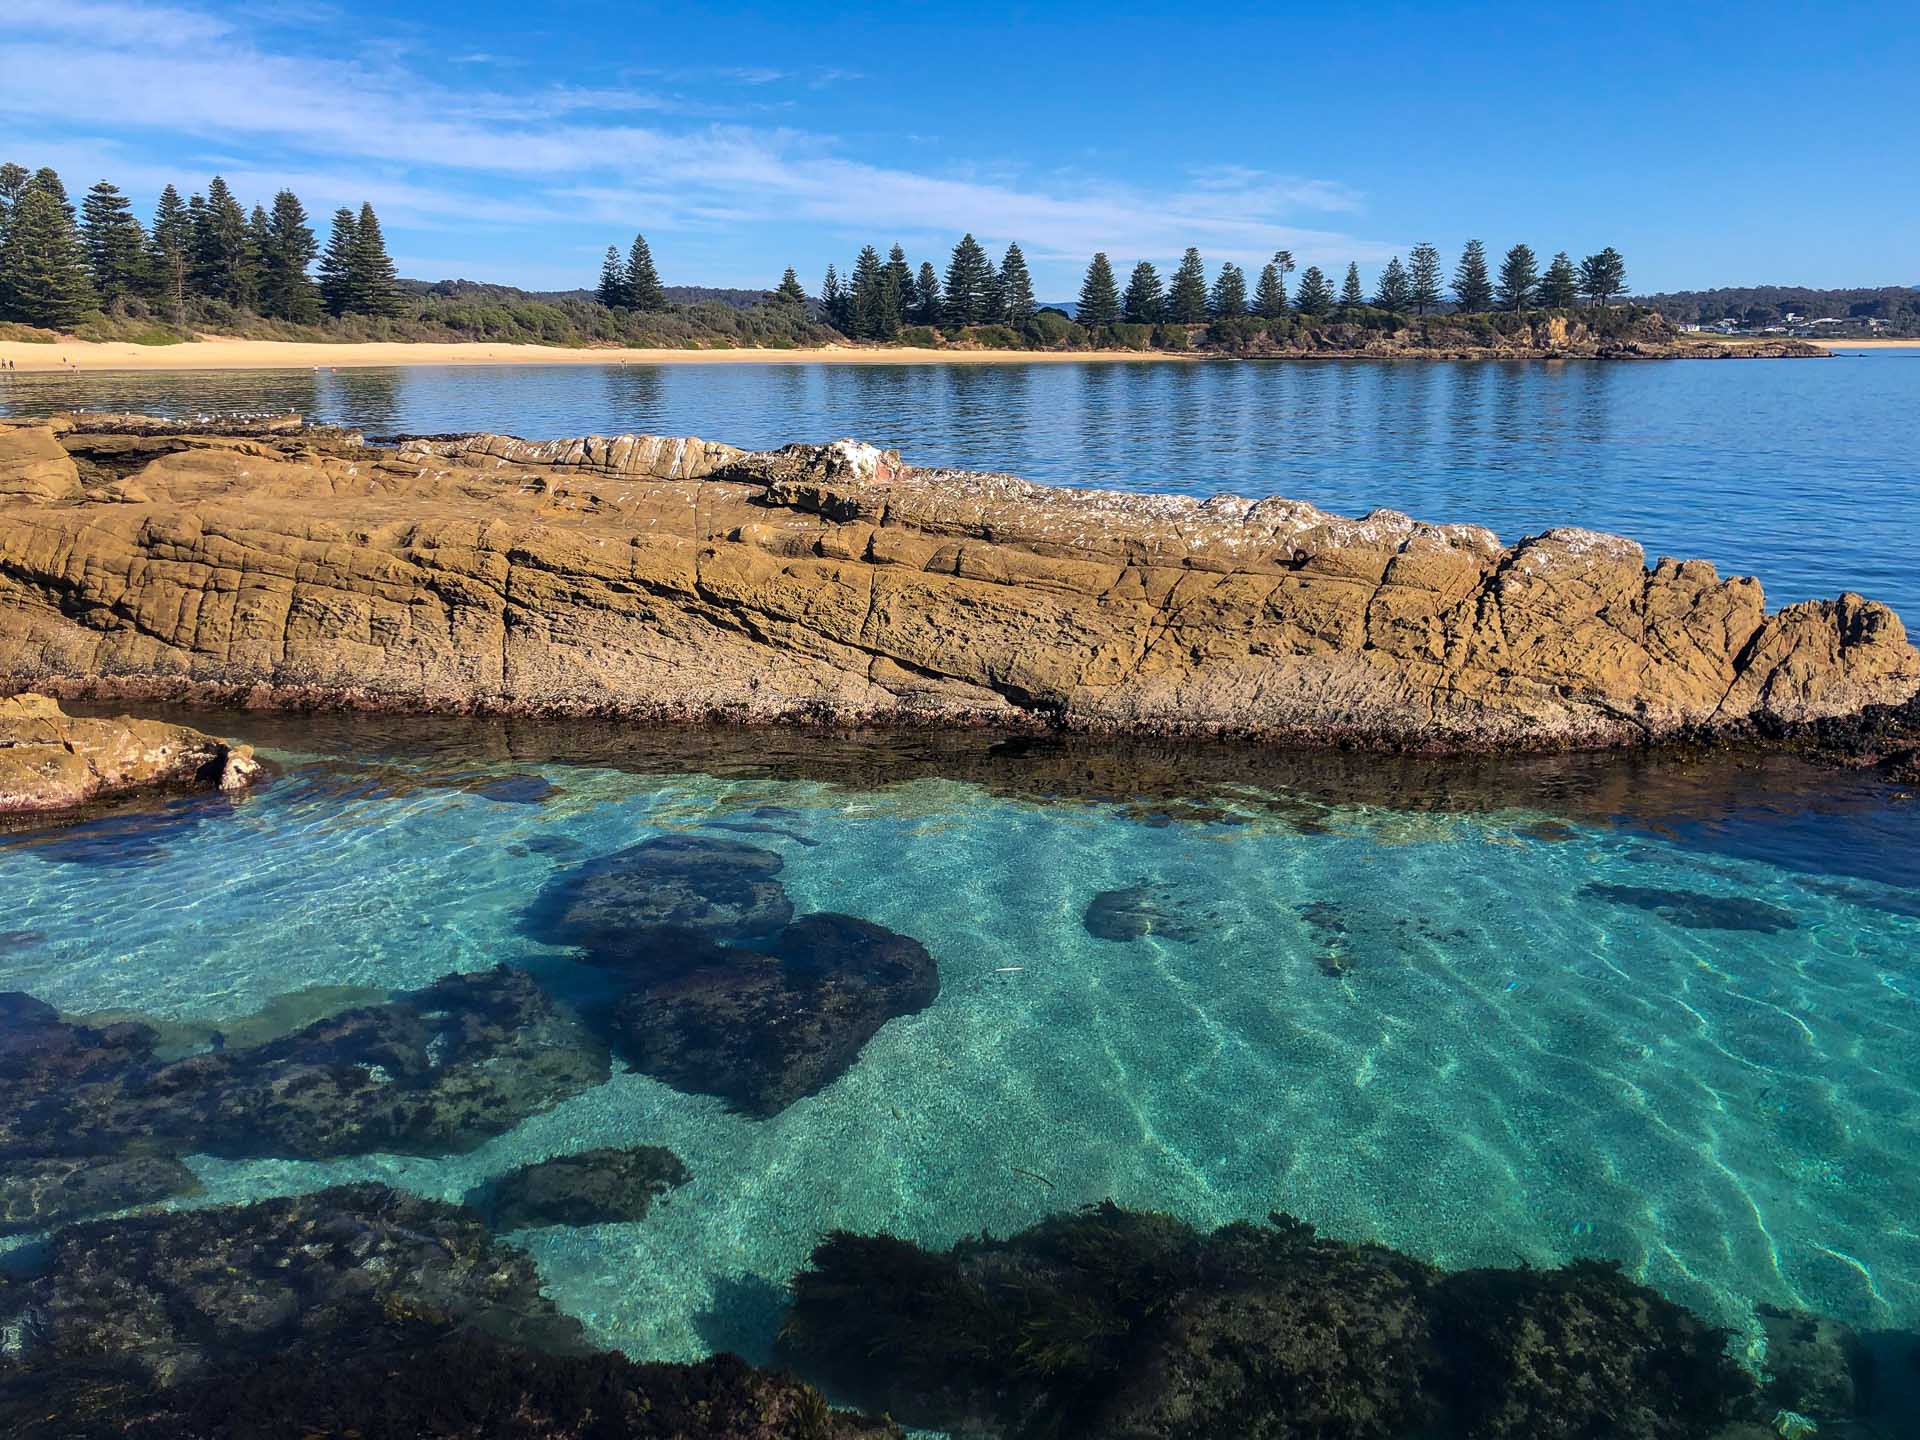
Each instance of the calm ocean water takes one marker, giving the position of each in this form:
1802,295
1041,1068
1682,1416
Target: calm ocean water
1800,472
1657,1011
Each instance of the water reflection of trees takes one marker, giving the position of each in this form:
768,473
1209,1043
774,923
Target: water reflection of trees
176,394
373,400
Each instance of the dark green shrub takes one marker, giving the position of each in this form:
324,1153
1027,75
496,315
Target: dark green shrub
1056,330
994,337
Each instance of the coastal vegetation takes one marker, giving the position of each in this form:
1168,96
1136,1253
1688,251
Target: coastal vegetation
208,264
981,305
1891,310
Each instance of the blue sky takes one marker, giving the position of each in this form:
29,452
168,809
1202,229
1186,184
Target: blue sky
1712,144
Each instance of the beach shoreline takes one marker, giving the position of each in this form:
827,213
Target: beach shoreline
219,353
1867,344
226,353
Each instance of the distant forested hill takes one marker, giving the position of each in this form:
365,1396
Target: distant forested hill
480,290
1898,305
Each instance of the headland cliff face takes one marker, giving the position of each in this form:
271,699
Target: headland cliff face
681,579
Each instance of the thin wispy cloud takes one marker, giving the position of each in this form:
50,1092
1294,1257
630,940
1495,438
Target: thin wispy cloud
117,24
586,152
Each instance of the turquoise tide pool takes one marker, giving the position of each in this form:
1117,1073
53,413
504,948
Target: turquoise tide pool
1677,1025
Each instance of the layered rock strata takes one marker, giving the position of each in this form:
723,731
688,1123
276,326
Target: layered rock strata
657,578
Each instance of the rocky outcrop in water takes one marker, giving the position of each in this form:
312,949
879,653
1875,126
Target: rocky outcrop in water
50,760
656,578
359,1311
1127,1326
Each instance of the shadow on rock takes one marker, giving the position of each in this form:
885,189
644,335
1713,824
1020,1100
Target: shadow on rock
118,833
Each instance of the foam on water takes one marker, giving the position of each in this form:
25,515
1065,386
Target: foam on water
1538,1042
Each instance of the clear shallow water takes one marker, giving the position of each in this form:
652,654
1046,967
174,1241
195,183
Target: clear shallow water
1515,1060
1800,472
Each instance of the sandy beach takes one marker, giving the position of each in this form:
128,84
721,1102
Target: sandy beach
225,354
1869,344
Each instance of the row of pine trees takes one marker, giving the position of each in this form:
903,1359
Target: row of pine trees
57,265
881,297
1414,287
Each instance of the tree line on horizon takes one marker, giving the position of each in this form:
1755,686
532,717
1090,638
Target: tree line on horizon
879,298
58,264
1414,287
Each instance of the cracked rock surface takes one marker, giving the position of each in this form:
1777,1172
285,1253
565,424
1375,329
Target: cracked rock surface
661,578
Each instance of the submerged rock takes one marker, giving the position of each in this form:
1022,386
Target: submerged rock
1327,920
1815,1365
435,1071
716,889
513,789
1135,912
1696,911
1108,1323
591,1187
44,1060
38,1192
50,760
764,1027
424,1383
356,1311
170,1295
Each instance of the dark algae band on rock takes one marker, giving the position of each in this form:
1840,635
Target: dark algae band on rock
642,577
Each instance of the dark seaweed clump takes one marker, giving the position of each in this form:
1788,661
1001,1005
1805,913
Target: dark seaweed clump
358,1311
1127,1326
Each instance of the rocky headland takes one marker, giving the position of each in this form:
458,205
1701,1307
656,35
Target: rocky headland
678,579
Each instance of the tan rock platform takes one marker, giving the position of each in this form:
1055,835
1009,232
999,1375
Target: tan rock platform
680,579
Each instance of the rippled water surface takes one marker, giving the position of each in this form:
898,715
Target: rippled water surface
1661,1013
1800,472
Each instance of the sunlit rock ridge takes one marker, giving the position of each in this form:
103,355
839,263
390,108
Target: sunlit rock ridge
677,578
